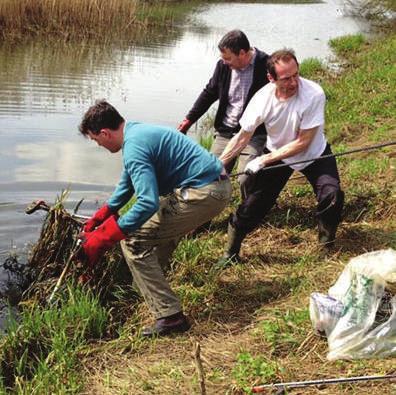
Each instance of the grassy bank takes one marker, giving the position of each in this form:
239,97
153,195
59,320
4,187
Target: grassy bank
252,319
88,19
40,353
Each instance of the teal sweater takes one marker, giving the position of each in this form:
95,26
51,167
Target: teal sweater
157,160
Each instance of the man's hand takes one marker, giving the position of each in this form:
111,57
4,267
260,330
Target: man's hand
101,215
254,165
184,126
96,243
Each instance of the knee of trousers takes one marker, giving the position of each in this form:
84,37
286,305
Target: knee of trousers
135,254
327,184
244,222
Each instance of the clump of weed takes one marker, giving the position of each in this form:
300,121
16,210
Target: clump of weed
57,247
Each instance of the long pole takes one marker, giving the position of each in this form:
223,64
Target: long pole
353,151
298,384
72,256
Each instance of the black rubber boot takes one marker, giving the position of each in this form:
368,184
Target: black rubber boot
329,216
231,255
326,234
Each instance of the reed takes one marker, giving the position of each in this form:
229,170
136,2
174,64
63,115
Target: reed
68,19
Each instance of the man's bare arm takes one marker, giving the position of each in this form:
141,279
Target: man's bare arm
235,146
302,142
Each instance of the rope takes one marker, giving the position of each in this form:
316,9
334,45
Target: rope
353,151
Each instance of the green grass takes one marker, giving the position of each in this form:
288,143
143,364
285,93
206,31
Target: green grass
301,190
285,330
39,355
368,168
249,368
344,45
206,140
311,68
363,99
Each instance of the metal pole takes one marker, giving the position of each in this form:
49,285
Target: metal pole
72,256
299,384
353,151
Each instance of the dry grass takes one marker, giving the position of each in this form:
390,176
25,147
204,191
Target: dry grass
69,19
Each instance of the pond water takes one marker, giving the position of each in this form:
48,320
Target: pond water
45,88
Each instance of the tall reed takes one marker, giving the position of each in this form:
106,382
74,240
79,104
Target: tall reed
75,18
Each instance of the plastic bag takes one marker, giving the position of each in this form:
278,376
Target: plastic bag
348,314
325,311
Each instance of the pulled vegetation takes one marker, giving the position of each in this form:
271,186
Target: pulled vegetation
81,19
250,319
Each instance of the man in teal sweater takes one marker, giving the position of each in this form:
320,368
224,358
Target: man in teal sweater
178,186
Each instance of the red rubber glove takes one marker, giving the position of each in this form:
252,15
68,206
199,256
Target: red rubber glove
101,215
96,243
184,126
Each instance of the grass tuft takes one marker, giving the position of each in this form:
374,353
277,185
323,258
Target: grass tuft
346,44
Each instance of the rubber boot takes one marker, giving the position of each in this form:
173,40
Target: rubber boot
326,234
329,217
231,255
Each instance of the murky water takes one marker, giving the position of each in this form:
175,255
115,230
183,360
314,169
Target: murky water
45,88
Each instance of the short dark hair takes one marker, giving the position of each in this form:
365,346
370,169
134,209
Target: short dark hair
284,55
235,40
100,116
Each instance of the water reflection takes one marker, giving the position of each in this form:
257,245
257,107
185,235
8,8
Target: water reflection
38,78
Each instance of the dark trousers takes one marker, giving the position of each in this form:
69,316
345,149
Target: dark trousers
264,187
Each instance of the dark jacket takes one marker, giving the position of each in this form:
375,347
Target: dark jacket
217,89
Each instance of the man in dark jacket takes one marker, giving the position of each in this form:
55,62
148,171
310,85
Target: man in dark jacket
238,75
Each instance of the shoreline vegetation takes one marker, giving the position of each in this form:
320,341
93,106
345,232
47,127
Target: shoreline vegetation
252,319
108,19
95,20
85,19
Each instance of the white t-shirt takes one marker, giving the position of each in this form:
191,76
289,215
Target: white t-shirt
283,119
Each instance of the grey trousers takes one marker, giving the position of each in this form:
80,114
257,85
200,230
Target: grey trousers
148,250
252,150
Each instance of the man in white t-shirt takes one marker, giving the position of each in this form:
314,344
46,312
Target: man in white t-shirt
292,109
